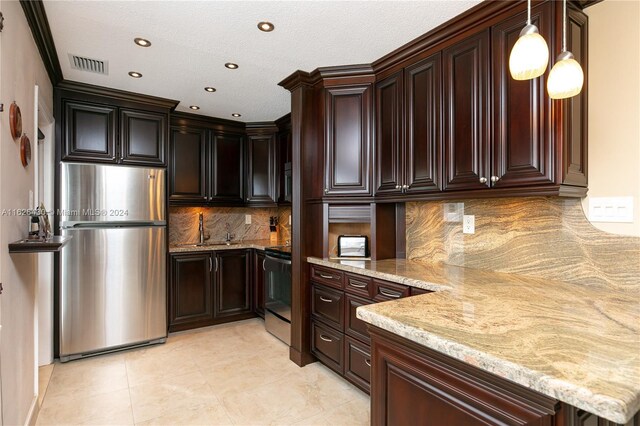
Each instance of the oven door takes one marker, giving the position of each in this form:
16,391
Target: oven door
277,281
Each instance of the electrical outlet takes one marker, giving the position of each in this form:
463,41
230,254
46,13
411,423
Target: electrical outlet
469,224
247,219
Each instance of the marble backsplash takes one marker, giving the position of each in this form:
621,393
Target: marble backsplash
547,237
183,223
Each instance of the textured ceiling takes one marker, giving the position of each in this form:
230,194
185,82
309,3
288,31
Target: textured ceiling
192,40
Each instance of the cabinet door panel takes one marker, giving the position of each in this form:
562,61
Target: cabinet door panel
424,125
466,73
389,135
143,137
228,170
522,150
188,168
190,289
90,132
347,168
261,173
232,290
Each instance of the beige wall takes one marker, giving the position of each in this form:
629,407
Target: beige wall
20,69
614,106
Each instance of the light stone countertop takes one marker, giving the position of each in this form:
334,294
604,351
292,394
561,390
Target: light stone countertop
236,245
579,344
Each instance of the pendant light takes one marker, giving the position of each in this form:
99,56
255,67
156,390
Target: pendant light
566,77
530,55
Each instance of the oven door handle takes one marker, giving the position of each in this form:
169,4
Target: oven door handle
277,260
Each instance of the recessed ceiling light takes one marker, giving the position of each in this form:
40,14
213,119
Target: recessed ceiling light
210,89
235,114
265,26
194,107
135,74
231,65
143,42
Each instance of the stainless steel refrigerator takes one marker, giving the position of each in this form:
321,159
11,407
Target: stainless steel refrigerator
113,271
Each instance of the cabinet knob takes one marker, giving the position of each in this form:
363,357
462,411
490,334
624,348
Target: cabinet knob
483,180
326,190
405,186
398,187
494,179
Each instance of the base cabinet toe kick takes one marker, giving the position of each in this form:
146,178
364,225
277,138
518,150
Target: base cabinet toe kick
414,385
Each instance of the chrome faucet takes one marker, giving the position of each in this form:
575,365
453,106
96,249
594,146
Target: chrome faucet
201,227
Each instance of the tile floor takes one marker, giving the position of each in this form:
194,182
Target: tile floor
232,374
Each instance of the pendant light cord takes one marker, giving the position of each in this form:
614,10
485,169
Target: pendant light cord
564,26
528,12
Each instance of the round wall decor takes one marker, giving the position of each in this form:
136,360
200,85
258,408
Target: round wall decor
15,120
25,150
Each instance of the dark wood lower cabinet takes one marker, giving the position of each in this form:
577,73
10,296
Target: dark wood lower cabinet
258,282
190,291
208,288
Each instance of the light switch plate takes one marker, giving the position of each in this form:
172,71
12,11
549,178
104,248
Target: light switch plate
468,224
247,219
611,209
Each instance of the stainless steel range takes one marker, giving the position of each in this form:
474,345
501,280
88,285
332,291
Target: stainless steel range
277,282
113,271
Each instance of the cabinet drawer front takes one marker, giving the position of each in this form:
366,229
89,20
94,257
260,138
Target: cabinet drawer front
357,363
327,306
327,276
353,326
326,344
384,290
357,284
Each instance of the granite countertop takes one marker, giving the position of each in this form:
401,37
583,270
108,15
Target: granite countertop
235,245
579,344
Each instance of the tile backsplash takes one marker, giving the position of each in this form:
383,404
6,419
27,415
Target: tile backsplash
549,237
183,223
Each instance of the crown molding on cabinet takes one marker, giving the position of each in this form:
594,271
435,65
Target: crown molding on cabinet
39,24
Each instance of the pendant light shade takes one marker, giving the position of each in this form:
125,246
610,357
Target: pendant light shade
566,77
530,55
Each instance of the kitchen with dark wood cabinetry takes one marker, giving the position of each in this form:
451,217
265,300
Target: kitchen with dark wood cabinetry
430,219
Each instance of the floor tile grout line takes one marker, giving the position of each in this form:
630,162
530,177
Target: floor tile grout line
126,371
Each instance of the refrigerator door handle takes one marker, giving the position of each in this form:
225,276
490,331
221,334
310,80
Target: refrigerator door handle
99,225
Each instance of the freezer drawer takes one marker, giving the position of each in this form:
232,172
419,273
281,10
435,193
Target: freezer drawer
113,288
101,193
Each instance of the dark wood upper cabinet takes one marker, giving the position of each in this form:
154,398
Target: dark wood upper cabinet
466,113
261,170
227,168
348,140
423,148
190,290
143,138
388,142
188,165
522,130
232,285
90,132
573,111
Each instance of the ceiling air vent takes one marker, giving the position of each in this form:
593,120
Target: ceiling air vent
90,65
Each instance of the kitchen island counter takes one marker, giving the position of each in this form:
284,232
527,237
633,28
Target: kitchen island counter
579,344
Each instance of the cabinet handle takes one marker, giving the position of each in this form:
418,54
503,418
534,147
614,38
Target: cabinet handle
325,338
368,362
398,187
263,267
483,180
405,186
210,265
326,277
324,299
216,264
357,285
494,179
386,293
